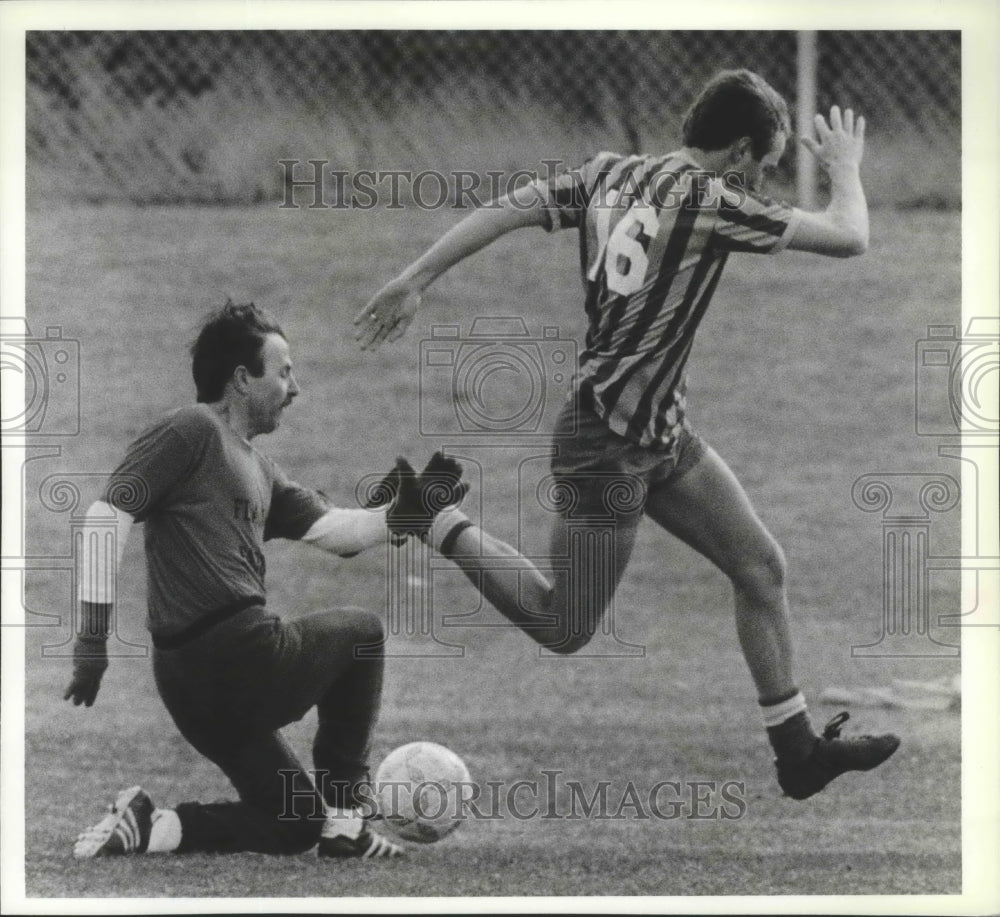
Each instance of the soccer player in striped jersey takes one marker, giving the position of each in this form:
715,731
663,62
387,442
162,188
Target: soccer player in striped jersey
655,235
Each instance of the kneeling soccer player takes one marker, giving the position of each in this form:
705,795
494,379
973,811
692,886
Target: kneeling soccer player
229,670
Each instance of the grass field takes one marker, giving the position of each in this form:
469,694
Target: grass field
802,377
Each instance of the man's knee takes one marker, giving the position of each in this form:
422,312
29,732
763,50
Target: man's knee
369,626
365,626
571,622
763,573
573,632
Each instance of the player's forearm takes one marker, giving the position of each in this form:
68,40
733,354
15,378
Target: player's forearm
481,227
100,548
348,531
848,208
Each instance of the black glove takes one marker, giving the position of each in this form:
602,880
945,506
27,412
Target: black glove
380,495
90,654
422,496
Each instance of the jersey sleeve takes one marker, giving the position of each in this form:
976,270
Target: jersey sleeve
294,508
157,461
747,222
565,196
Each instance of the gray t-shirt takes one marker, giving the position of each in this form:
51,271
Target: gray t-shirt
209,501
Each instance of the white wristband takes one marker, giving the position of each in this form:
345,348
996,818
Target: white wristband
99,547
347,531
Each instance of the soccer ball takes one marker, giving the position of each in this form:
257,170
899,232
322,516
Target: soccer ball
420,789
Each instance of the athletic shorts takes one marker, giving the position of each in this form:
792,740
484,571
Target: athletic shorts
594,447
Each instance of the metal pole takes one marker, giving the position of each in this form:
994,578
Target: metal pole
806,110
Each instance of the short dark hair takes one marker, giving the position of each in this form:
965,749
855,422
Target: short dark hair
734,104
230,337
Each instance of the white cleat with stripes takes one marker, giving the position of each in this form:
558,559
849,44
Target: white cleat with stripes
366,846
124,830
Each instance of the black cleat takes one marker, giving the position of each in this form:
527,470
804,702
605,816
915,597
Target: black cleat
832,756
124,830
367,845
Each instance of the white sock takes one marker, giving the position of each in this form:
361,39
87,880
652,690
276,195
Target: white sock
345,822
776,714
165,835
443,523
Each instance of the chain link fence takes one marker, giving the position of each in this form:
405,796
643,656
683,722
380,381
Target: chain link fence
195,116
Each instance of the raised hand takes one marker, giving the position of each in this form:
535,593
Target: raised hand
841,143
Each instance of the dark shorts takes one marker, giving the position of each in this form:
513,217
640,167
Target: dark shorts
230,690
255,672
594,447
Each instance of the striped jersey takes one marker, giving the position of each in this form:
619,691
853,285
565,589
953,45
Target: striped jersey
655,233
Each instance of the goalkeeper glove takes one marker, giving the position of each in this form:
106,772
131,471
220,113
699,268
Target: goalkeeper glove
422,496
90,653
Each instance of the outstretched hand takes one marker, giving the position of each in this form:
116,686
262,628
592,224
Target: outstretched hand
841,142
422,496
388,314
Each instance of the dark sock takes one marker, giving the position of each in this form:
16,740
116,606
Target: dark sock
792,740
450,540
